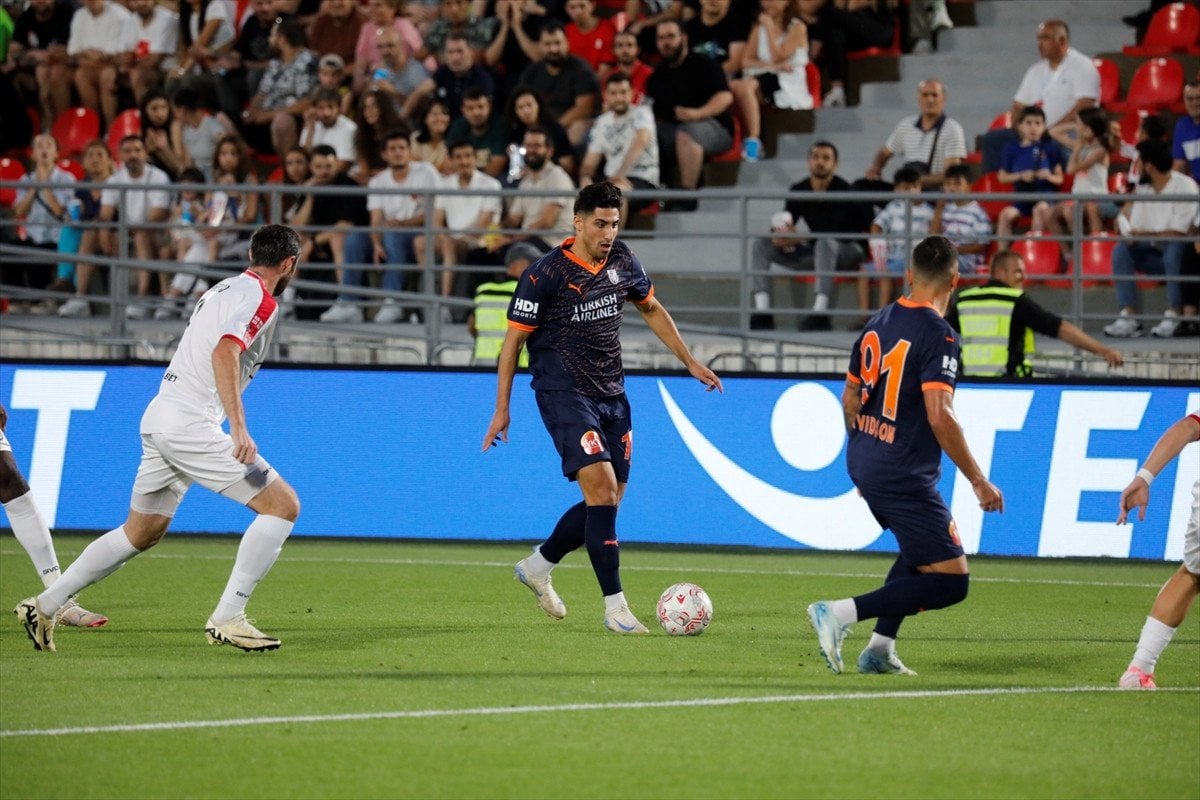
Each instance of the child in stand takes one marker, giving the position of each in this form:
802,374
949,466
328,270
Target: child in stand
1032,164
1089,165
963,222
889,253
191,246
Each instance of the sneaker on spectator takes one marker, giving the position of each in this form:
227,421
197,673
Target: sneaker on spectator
1166,329
389,312
834,98
342,312
76,307
1123,327
939,19
168,310
751,149
135,311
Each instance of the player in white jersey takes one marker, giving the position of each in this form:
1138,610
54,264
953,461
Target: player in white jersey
183,443
31,531
1175,598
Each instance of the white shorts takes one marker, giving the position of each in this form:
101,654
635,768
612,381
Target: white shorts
172,462
4,445
1191,538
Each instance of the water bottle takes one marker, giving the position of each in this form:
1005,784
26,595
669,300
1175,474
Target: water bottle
186,216
68,238
516,162
382,74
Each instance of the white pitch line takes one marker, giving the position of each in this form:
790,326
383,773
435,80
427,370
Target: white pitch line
431,562
498,711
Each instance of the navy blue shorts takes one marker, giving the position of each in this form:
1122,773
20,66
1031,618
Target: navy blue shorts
586,430
920,521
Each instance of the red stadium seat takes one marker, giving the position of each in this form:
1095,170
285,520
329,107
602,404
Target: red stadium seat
1110,80
74,128
1158,83
1173,29
1096,263
1129,124
989,182
11,169
73,167
734,153
276,175
814,83
1003,120
892,51
1042,257
127,123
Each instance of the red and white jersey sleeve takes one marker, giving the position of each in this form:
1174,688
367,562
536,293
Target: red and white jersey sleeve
239,309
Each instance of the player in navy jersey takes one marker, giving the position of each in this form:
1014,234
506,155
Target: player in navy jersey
567,312
899,408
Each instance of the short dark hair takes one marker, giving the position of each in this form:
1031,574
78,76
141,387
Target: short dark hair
906,175
597,195
540,131
394,133
1030,111
271,244
130,137
1001,260
191,175
935,259
331,96
1156,152
617,77
476,92
186,97
458,142
1154,126
323,150
551,26
824,143
292,29
958,171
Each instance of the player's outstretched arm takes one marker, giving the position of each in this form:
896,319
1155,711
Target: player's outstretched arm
506,368
939,407
225,357
1165,450
660,321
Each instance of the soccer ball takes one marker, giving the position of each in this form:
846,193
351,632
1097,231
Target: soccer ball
684,610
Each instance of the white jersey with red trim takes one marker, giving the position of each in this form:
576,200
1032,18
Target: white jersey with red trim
237,308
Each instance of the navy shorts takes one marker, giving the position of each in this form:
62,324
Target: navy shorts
920,521
587,430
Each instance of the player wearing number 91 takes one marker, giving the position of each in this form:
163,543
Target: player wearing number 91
899,408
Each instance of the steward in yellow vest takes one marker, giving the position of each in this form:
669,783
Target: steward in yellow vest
489,320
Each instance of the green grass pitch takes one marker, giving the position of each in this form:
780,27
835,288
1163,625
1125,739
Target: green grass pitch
424,670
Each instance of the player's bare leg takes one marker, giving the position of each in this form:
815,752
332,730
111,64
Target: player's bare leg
1166,615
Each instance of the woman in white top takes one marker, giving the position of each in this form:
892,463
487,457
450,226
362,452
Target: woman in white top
1089,165
206,36
778,55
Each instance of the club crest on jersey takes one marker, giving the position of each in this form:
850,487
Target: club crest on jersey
590,442
613,277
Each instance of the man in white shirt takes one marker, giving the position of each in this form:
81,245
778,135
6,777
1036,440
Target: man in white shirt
392,203
153,38
1146,246
542,220
625,137
1062,83
327,125
182,443
137,207
930,139
459,219
99,34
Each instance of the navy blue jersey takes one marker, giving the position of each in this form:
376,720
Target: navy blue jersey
574,311
905,350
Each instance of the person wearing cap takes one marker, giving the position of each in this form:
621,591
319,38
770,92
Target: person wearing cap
327,125
488,321
331,74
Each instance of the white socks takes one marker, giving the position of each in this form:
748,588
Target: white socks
762,301
1154,639
613,602
98,560
538,565
884,645
261,545
820,302
844,611
34,535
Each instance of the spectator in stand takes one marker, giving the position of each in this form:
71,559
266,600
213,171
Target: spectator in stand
452,79
193,241
388,209
1031,164
153,38
1089,164
331,76
271,123
527,110
296,174
566,81
376,117
396,73
1185,144
925,23
964,222
336,30
455,17
514,45
691,107
722,35
429,140
1063,82
138,207
777,63
99,32
198,130
304,10
624,138
231,158
903,223
590,37
207,34
252,49
328,126
483,130
97,168
644,24
827,256
460,219
381,15
1147,230
42,211
162,135
625,53
542,220
837,27
39,50
929,141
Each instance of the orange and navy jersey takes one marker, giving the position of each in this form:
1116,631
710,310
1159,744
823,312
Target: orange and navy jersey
573,311
905,350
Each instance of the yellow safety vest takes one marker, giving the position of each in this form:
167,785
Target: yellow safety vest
491,321
985,321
